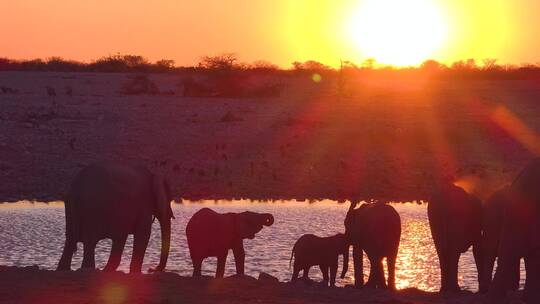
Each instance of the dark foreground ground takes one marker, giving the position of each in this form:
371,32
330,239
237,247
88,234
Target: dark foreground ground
32,285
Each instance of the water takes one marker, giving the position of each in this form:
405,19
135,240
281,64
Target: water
33,234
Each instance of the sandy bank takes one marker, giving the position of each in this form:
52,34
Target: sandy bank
32,285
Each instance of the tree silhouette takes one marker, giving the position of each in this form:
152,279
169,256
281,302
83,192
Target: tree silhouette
225,61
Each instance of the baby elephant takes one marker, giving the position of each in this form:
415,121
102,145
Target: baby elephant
311,250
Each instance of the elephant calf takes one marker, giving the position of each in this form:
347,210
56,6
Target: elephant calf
311,250
212,234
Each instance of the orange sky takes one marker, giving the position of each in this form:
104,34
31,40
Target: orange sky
279,31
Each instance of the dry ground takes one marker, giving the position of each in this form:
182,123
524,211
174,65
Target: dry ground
31,285
385,138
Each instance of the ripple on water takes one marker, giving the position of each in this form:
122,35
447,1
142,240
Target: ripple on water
35,236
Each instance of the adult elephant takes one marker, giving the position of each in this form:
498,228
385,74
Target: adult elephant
492,221
212,234
455,220
113,200
520,236
376,229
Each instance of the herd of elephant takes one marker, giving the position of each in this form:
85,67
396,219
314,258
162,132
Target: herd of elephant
113,200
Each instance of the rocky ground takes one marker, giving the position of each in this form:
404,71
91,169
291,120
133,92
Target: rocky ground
386,139
32,285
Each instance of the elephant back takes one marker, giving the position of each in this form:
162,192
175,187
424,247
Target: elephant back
377,227
209,233
455,217
527,184
119,194
493,209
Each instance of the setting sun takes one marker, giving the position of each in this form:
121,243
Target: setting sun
398,32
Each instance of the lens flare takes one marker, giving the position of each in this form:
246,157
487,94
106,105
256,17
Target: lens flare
514,126
114,293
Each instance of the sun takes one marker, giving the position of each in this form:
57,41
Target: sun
398,32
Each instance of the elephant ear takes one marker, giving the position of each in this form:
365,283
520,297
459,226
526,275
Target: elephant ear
163,198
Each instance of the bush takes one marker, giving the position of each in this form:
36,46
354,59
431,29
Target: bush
139,85
226,61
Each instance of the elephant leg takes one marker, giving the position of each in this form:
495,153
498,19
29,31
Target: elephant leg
449,266
452,272
220,272
197,266
479,261
358,258
296,271
67,255
333,273
89,249
380,281
305,274
443,265
505,267
116,254
513,282
373,272
239,258
391,265
140,242
531,293
509,255
487,272
324,270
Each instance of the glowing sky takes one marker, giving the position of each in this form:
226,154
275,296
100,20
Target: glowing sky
279,31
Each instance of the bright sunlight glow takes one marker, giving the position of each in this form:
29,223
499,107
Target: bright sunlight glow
398,32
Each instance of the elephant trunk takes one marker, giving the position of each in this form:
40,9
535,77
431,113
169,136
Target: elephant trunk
345,262
268,219
165,225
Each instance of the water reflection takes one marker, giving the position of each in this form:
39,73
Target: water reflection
34,234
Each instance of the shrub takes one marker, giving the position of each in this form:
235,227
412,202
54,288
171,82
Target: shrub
226,61
139,85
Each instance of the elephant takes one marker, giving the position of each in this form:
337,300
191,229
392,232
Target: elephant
212,234
112,200
520,236
376,229
455,221
310,250
492,220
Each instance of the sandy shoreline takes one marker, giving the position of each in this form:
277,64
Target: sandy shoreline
32,285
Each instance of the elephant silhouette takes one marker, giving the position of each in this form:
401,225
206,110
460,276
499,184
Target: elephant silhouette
455,221
376,229
212,234
492,221
113,200
311,250
520,237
